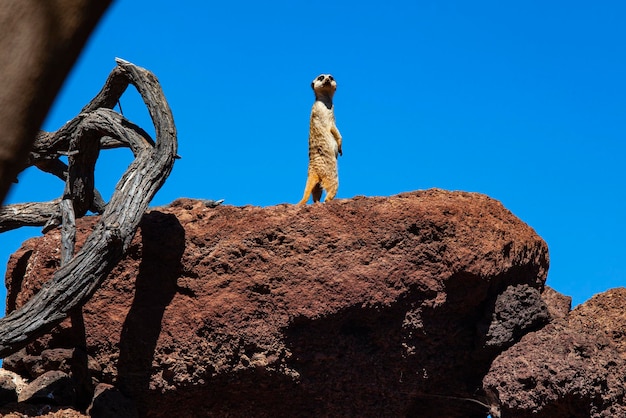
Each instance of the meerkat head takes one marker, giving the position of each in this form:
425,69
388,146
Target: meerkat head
324,85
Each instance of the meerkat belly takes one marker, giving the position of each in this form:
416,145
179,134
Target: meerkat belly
322,143
323,147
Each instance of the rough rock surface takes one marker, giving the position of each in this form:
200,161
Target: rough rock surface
24,410
364,307
53,387
573,367
11,385
109,402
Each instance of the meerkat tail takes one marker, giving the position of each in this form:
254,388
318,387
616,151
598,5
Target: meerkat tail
311,182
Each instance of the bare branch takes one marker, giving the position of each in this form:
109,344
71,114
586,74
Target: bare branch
113,131
28,214
75,282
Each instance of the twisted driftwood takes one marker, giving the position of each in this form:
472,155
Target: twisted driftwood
95,128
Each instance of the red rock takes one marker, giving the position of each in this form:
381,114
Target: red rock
604,312
22,410
109,402
559,305
575,367
53,387
354,307
8,389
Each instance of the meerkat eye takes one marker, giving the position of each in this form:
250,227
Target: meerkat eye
330,77
320,78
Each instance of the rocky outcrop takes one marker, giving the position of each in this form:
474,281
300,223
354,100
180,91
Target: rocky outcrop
400,306
573,367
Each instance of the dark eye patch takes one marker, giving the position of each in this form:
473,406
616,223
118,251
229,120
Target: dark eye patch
330,77
320,78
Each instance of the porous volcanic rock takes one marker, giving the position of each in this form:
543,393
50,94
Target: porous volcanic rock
575,367
559,306
360,307
53,387
9,388
109,402
25,410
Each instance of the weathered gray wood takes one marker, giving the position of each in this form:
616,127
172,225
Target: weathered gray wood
111,129
68,231
74,283
28,214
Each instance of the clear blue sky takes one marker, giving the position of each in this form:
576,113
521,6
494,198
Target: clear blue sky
524,101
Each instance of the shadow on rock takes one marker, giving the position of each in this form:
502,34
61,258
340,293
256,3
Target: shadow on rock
155,288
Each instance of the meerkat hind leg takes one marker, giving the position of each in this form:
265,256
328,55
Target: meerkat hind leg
331,186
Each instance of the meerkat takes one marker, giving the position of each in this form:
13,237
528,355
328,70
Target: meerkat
324,142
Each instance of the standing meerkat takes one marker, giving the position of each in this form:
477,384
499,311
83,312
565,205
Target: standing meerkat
324,142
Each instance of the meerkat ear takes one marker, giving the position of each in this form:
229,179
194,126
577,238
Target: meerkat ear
313,85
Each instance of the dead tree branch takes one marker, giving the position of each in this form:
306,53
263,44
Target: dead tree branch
111,129
75,282
29,214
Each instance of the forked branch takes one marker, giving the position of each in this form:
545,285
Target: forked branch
76,281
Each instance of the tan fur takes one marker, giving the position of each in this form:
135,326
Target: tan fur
324,142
